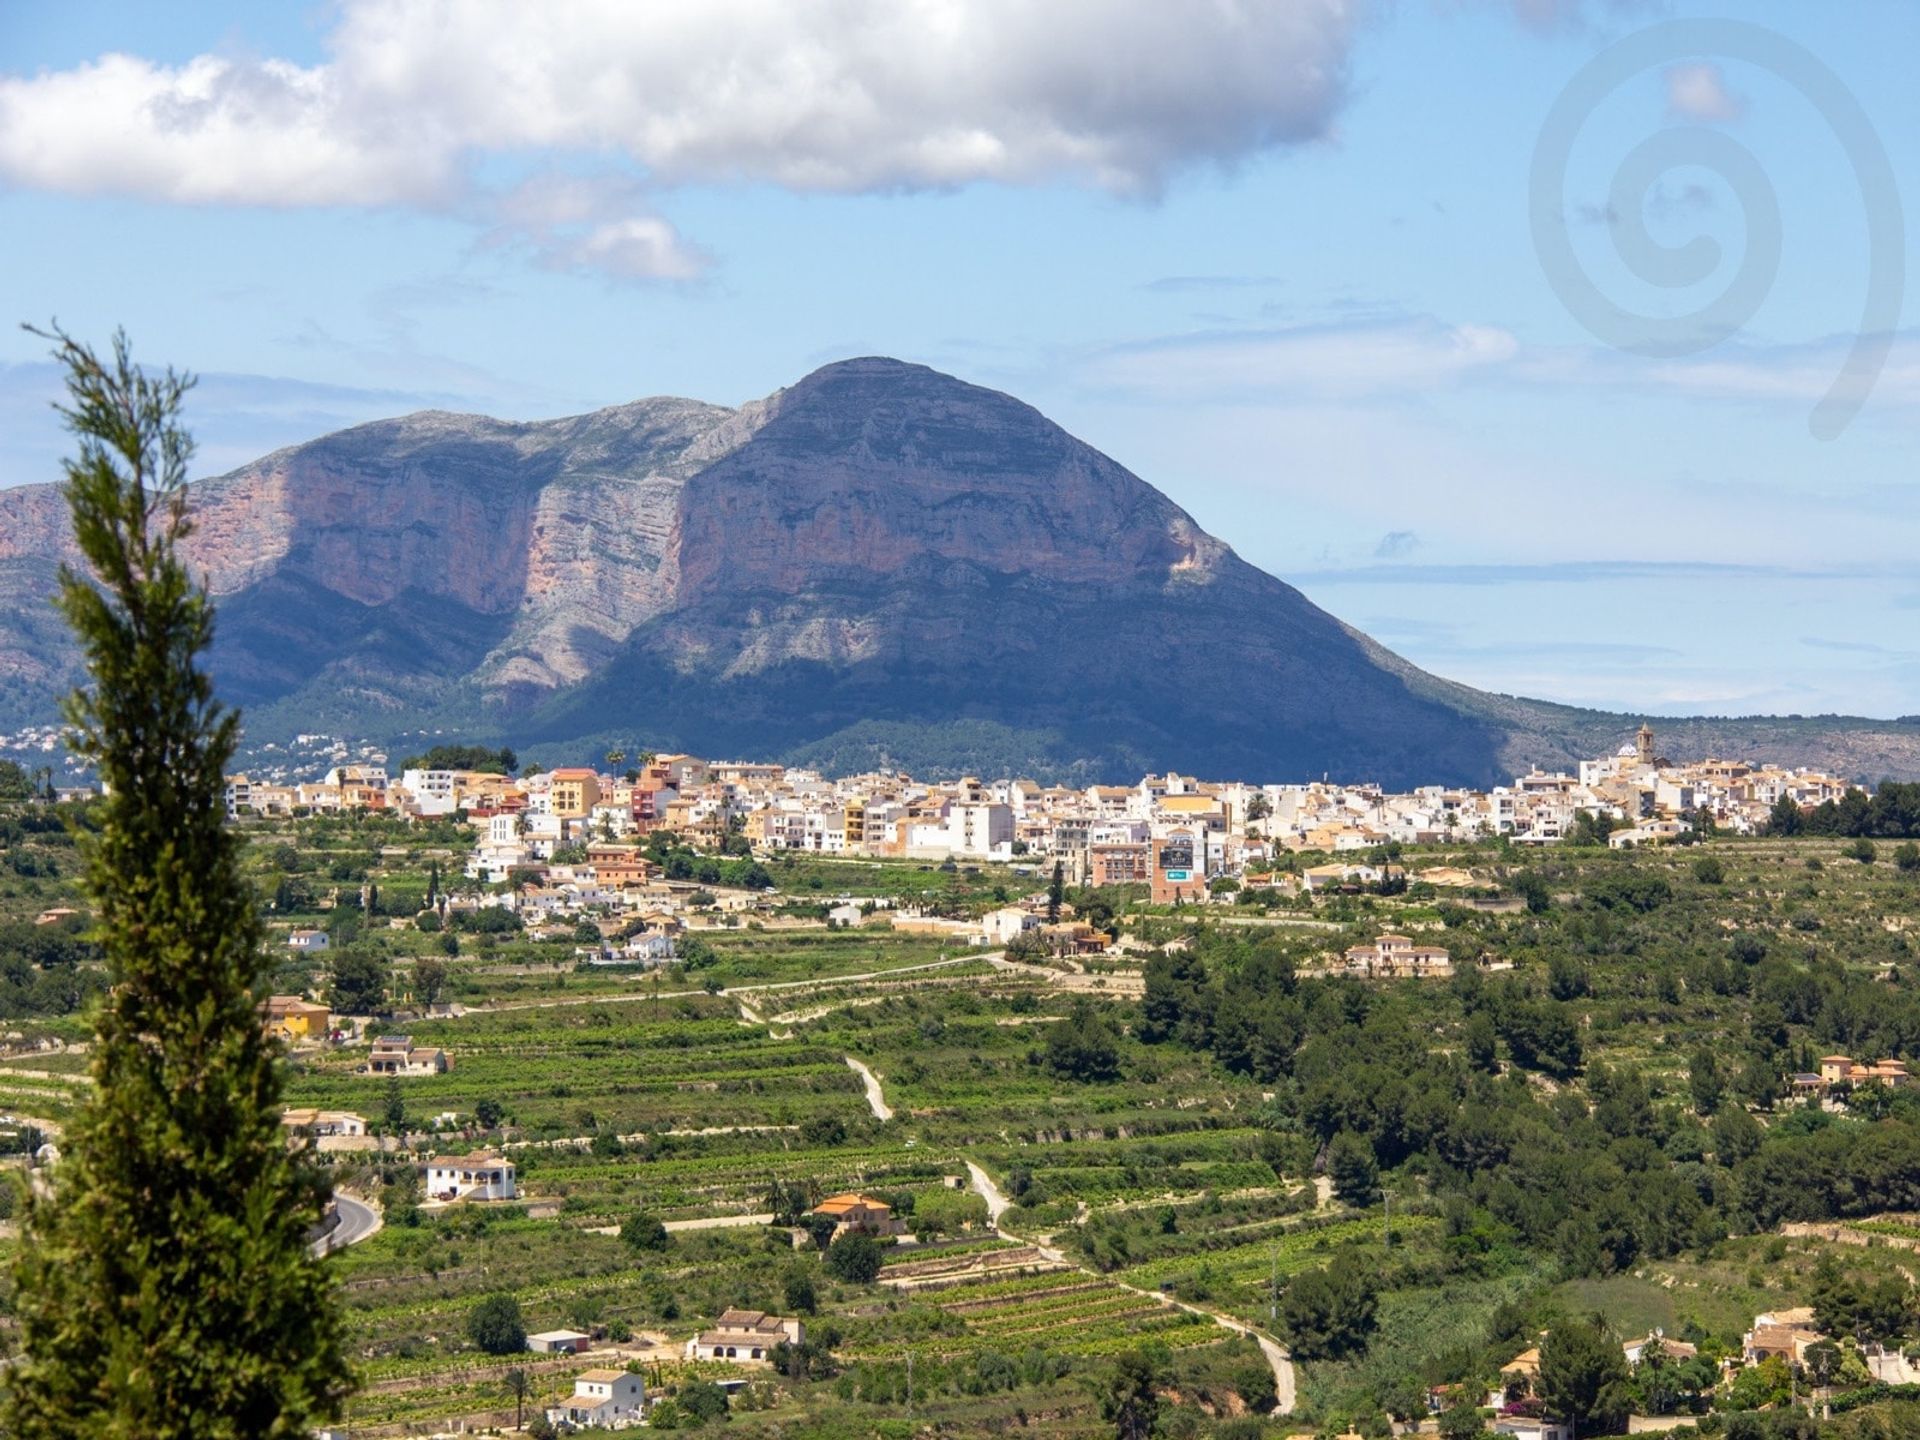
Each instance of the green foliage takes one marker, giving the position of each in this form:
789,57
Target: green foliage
824,1130
429,979
1329,1314
855,1258
1765,1384
15,783
645,1232
464,757
46,969
1532,886
359,983
495,1326
1583,1377
702,1400
1867,1308
1462,1421
1084,1046
1629,888
165,1289
799,1290
1352,1168
1130,1395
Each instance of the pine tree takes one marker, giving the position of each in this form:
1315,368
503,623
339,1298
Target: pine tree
165,1288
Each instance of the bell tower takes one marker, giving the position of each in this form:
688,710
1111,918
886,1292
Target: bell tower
1645,742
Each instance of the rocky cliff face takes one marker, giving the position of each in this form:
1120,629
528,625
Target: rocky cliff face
878,564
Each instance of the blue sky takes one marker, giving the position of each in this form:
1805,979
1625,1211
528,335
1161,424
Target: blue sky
1279,260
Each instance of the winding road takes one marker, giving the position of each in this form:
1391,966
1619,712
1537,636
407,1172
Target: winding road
1277,1358
876,1100
358,1221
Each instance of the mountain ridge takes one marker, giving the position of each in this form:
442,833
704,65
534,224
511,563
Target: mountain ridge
877,562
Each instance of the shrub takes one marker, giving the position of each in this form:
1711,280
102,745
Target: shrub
855,1259
645,1232
496,1327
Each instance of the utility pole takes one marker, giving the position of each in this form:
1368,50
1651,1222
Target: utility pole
909,1384
1386,1197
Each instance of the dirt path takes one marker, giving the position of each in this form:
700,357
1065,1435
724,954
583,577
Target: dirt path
876,1099
983,1186
1277,1358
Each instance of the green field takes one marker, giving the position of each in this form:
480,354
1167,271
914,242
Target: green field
1593,1123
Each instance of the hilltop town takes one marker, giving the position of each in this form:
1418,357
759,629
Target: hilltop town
1174,832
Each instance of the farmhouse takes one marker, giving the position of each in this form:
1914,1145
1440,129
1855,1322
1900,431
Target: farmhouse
606,1399
853,1213
744,1336
1786,1333
479,1176
1397,957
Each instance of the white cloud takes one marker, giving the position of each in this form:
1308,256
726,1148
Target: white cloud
1699,92
827,95
592,224
1337,361
1799,373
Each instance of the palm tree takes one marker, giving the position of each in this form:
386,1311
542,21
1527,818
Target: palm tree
517,1385
614,757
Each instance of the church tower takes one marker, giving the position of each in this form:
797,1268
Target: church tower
1645,739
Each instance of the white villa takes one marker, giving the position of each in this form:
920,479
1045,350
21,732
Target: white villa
479,1176
603,1399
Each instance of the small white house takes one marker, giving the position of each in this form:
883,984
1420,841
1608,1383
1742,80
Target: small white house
307,940
1008,923
479,1176
606,1399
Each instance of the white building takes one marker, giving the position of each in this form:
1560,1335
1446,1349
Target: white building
1009,922
559,1342
479,1176
433,791
745,1336
979,831
603,1399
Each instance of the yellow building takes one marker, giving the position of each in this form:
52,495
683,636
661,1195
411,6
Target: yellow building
292,1019
573,793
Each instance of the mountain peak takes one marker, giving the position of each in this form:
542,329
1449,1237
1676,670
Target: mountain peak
881,561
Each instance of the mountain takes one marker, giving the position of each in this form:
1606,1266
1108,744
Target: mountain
877,565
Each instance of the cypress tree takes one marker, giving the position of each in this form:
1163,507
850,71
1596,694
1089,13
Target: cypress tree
165,1286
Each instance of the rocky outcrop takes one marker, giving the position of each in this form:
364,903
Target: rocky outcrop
880,564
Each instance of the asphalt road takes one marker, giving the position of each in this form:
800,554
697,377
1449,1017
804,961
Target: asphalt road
358,1220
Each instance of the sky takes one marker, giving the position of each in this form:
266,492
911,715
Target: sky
1564,347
